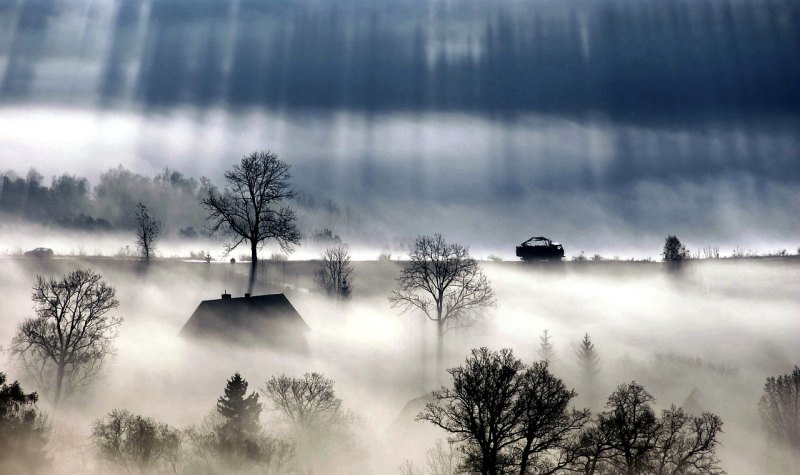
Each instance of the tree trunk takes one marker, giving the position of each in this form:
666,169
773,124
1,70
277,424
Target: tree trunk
59,383
253,264
439,345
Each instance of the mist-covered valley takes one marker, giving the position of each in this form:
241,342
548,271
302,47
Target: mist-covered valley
716,328
286,237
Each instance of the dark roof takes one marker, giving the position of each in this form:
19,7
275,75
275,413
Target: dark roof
268,318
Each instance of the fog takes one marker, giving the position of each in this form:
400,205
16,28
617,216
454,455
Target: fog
718,326
605,125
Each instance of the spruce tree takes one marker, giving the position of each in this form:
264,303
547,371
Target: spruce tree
589,361
239,410
546,351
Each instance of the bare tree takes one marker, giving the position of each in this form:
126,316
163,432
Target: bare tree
147,230
444,283
780,408
335,272
318,422
507,417
136,443
251,206
65,344
687,444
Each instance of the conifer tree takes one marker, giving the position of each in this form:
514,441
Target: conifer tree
546,351
589,361
240,411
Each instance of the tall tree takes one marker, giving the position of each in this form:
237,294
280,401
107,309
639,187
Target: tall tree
241,412
251,207
147,230
23,431
546,350
589,363
65,344
780,407
335,272
443,282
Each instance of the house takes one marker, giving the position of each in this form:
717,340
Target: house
265,320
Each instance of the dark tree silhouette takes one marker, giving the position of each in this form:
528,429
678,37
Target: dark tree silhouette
674,250
23,431
444,283
480,410
546,350
780,407
136,443
65,344
335,272
631,426
629,438
251,206
241,412
687,444
548,428
147,230
506,417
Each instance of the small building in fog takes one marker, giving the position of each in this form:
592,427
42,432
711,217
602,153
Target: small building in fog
260,320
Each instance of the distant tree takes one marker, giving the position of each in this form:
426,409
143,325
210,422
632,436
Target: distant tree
318,422
780,408
136,443
441,459
65,344
589,363
241,426
674,250
443,282
335,272
506,417
546,350
23,431
251,207
147,229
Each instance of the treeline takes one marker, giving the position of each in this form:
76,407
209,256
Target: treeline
71,201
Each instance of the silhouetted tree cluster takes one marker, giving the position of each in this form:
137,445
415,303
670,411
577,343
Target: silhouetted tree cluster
23,431
335,273
510,418
443,282
137,444
252,208
780,408
65,344
674,251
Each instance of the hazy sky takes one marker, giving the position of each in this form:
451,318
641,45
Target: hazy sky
593,122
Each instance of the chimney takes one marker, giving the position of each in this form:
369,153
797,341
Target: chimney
226,295
247,296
